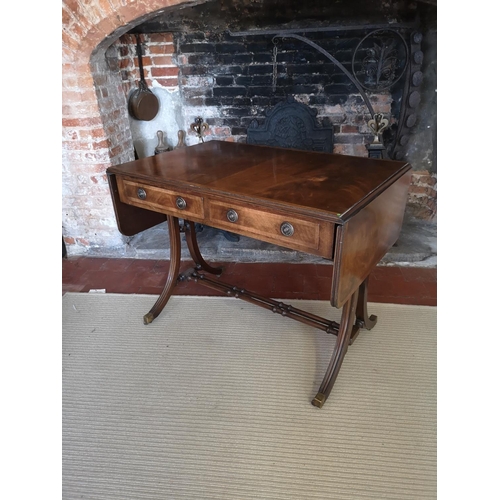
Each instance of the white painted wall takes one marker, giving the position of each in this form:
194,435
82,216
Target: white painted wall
169,120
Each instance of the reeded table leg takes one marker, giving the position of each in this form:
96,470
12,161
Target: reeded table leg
194,250
173,271
362,318
343,337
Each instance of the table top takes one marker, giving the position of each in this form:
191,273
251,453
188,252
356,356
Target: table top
324,183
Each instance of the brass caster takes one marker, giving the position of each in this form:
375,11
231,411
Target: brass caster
319,400
148,318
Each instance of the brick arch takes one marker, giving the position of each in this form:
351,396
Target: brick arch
94,134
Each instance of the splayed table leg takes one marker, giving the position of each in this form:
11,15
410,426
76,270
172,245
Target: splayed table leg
343,338
173,271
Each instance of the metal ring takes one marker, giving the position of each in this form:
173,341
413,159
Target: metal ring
141,194
403,71
180,203
232,215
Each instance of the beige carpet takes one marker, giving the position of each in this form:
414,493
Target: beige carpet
212,401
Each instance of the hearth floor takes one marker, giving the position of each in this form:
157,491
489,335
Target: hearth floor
388,284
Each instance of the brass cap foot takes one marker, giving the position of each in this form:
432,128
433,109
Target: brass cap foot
319,400
148,318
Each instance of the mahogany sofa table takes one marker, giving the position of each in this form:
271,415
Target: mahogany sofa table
343,208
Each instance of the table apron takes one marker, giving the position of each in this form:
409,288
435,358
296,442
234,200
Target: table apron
278,226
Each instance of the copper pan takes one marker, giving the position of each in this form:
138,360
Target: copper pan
142,103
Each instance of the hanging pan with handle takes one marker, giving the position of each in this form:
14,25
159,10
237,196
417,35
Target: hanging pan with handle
142,104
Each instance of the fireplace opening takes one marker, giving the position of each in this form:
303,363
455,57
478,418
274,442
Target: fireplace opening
365,70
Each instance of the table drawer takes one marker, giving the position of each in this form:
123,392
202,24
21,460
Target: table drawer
291,231
160,199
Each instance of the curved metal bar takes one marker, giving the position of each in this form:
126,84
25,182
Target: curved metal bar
361,27
334,61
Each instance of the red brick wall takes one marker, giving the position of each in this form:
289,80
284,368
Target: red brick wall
94,121
157,60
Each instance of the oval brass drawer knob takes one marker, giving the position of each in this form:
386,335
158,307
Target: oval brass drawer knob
232,215
141,194
180,203
287,229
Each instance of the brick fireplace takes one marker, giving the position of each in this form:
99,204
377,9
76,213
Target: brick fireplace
217,60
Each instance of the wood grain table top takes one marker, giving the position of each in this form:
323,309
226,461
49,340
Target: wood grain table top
336,186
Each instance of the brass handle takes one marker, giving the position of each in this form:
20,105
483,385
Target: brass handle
232,215
287,229
180,203
141,193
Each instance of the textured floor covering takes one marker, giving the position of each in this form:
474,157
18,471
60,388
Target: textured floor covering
212,401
